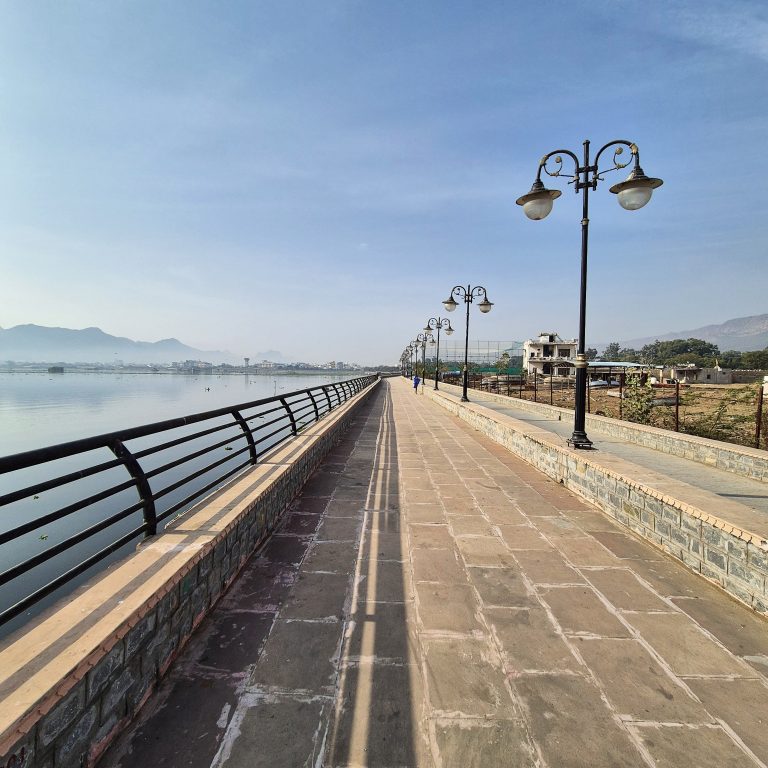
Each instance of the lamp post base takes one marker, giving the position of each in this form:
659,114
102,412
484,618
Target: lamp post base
579,439
464,399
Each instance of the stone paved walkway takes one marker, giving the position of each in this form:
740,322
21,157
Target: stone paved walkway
433,601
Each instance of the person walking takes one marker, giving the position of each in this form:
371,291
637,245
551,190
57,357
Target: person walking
416,382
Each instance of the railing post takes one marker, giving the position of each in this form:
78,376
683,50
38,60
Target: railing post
142,484
290,415
677,405
248,436
759,416
327,396
336,392
314,404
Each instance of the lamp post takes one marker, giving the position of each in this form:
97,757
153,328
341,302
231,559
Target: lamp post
422,339
469,294
436,323
632,194
414,347
404,363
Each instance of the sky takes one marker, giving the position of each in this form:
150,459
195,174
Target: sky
315,177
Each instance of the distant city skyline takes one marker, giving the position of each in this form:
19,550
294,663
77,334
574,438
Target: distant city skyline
314,178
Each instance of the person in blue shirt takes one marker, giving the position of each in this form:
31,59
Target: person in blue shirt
416,382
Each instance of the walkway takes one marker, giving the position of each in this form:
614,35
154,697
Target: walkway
433,601
751,493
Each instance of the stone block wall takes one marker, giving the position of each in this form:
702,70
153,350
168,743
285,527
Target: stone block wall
724,553
741,460
67,717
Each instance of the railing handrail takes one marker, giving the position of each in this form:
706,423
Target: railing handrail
294,411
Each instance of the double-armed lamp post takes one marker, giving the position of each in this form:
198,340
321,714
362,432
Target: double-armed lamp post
423,339
632,194
436,323
469,294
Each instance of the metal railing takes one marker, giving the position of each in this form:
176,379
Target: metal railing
91,507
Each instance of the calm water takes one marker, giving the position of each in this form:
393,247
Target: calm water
41,409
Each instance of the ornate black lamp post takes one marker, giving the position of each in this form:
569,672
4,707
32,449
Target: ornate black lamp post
423,339
632,194
469,294
404,363
436,323
413,347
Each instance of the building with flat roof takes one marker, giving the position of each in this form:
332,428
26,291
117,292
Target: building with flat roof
549,355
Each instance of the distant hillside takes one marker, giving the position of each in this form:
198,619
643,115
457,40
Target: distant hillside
37,343
743,334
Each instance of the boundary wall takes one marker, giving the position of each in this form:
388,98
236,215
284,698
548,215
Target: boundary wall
739,459
708,533
74,677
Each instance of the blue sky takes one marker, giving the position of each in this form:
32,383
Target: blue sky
314,177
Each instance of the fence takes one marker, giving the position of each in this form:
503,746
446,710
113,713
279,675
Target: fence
102,493
733,413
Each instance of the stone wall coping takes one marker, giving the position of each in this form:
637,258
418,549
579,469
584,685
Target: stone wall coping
45,659
654,484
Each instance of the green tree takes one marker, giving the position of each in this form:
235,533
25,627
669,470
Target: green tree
611,352
755,360
591,353
638,399
502,364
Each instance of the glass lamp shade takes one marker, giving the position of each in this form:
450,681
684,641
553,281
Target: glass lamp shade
427,328
633,198
485,305
538,202
538,208
450,304
432,341
636,191
448,331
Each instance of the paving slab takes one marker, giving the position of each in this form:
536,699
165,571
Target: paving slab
433,601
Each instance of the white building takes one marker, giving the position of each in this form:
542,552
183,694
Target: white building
549,355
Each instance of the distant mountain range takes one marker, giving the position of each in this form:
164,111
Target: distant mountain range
743,334
39,344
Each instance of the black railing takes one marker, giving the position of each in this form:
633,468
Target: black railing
91,507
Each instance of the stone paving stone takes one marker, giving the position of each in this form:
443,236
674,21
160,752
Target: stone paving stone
529,641
301,524
375,726
430,536
447,607
507,514
636,685
686,649
673,747
743,704
622,588
625,547
383,545
339,529
579,610
480,744
384,630
464,678
670,578
385,581
317,596
437,565
572,725
559,527
547,567
500,586
522,537
312,504
283,663
384,520
332,556
743,633
485,550
586,552
426,513
286,549
282,729
344,508
470,525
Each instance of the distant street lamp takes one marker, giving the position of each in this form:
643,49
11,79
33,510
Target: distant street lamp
436,323
423,339
413,347
632,194
469,294
404,363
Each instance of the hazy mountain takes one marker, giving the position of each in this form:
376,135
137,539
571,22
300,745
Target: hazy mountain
743,334
37,343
